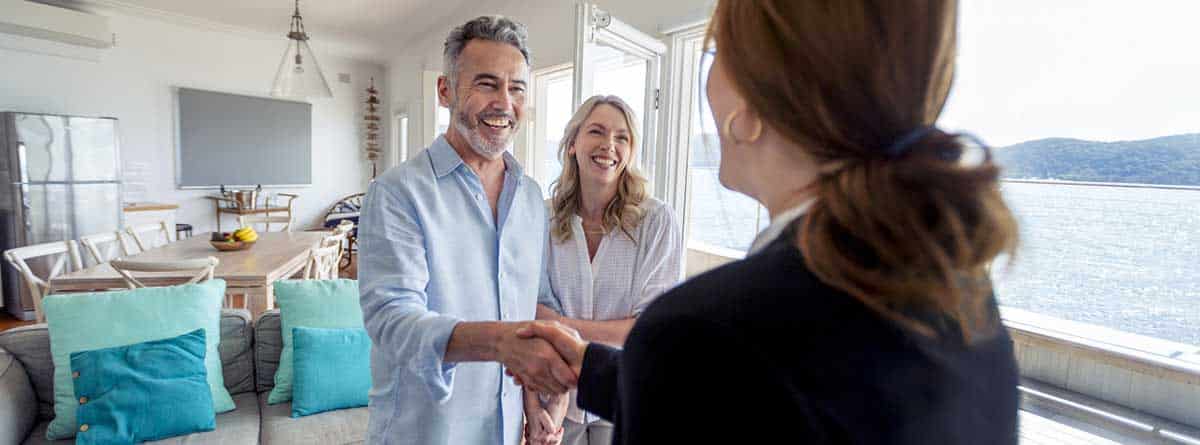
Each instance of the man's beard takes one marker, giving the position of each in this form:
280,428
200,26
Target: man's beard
484,147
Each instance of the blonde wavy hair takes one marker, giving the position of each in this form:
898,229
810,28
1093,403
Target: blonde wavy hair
624,211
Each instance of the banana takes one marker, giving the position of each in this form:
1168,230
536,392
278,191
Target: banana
245,234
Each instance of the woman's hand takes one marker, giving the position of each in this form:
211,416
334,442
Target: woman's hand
541,426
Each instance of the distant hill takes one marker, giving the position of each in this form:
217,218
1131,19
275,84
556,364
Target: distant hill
1170,160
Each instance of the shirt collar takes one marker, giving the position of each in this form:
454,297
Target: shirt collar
446,160
778,224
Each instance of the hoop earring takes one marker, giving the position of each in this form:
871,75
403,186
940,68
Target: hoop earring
727,125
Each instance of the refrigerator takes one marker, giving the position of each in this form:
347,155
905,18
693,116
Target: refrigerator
62,180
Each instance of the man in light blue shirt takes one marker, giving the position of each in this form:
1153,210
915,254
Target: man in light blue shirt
451,260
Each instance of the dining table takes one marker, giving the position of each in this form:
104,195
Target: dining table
251,272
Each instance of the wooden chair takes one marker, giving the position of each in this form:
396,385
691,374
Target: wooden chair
346,210
203,267
144,235
67,260
322,263
111,240
267,220
345,229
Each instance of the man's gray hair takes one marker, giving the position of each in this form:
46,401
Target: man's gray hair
496,28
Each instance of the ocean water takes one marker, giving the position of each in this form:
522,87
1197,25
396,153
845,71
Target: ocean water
1123,258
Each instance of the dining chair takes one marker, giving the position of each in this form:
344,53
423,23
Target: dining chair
266,221
146,235
346,230
61,256
345,227
202,266
322,263
111,241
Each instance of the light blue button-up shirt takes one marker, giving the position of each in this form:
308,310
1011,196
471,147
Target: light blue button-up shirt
431,255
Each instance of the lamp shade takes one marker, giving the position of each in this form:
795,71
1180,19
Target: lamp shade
299,75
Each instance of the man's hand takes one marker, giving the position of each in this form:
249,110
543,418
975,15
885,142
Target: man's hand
534,361
565,341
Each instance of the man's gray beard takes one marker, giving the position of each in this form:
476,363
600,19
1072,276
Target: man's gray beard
477,143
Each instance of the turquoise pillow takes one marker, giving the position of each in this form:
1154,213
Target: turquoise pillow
332,369
311,304
94,320
142,392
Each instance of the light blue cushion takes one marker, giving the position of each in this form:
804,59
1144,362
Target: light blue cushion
329,304
332,369
142,392
86,321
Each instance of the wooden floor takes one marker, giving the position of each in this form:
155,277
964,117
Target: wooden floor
8,322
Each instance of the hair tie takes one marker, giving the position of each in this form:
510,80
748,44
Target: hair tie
902,145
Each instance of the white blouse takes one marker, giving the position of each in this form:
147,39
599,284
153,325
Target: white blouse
622,280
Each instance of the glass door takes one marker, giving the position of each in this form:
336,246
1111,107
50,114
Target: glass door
614,58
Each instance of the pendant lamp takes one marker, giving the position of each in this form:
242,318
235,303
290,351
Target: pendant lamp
299,76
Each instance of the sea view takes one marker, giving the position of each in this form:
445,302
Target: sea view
1120,257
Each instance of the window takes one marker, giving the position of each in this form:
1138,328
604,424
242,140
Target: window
1097,134
1099,137
399,140
443,120
715,216
552,89
614,58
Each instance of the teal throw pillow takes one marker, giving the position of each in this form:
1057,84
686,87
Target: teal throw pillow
142,392
332,369
331,304
95,320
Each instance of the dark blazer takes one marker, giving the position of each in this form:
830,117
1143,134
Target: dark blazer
760,351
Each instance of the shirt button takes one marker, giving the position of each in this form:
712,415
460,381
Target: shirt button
83,428
82,400
75,375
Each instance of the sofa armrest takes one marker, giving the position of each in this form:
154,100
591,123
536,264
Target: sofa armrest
18,405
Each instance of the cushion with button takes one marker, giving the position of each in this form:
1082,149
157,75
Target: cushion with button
141,392
96,320
330,304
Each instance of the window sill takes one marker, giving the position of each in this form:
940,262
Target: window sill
1163,358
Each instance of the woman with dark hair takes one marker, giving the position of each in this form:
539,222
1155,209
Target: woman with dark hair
864,312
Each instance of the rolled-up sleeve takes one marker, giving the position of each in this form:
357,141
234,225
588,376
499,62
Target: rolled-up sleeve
392,280
661,259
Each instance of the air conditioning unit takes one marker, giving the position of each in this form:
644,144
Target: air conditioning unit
40,21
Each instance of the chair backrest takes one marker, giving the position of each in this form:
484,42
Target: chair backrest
144,235
323,262
111,241
344,227
67,260
203,267
284,223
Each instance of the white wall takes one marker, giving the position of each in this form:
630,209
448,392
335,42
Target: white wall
551,26
133,82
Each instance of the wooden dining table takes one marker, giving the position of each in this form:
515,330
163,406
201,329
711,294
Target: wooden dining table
251,272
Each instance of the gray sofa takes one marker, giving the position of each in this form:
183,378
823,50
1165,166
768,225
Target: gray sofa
249,356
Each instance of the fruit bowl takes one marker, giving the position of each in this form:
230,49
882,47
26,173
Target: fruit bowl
230,246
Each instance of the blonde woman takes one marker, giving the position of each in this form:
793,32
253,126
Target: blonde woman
612,250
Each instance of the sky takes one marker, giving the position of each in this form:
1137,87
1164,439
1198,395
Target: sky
1103,70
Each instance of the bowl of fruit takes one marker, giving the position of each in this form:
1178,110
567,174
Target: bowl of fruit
240,239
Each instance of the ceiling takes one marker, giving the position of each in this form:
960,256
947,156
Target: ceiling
364,28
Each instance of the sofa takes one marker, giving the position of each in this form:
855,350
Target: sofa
249,356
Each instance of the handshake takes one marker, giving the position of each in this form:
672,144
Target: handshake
543,356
